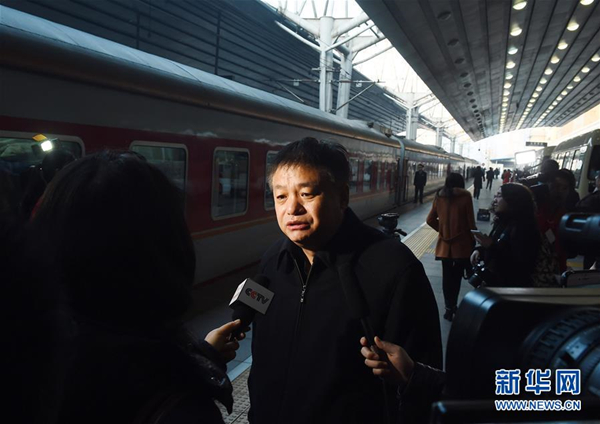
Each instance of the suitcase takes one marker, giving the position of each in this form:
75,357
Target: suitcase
483,215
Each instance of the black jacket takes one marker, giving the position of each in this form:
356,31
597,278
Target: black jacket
120,377
306,361
512,257
420,178
478,178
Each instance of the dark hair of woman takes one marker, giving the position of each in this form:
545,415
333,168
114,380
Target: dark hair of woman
453,180
117,231
519,199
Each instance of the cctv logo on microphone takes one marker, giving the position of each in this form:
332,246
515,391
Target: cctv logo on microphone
254,295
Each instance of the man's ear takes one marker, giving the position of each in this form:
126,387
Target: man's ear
345,196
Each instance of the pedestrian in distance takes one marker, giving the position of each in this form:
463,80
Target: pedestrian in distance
489,176
452,217
419,182
477,181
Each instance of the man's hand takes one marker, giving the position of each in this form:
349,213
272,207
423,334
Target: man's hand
219,338
400,366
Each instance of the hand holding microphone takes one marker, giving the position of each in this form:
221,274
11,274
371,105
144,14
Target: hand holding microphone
219,338
396,369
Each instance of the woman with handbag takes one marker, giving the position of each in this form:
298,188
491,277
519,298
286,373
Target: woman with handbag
452,217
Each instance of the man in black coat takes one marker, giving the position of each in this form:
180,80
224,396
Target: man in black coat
489,176
419,182
306,365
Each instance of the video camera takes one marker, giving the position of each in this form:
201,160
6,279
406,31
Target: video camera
524,329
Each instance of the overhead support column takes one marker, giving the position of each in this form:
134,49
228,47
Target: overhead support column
439,133
326,64
453,145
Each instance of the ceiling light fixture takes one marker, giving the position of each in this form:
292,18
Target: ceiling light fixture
512,50
548,71
562,45
577,78
510,65
506,93
555,59
564,93
586,2
543,81
538,88
516,30
573,25
520,4
569,87
535,95
509,76
585,70
559,98
596,58
507,85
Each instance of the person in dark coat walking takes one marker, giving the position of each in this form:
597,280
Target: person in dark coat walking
419,182
489,176
477,181
305,363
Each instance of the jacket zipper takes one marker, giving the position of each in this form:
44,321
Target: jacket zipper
296,332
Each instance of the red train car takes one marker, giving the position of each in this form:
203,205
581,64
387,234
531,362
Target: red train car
213,137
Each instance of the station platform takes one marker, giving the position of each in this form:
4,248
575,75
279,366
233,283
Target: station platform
421,239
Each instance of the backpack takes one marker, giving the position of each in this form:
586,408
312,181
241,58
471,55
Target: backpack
546,266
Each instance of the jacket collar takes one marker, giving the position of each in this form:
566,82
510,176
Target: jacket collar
342,246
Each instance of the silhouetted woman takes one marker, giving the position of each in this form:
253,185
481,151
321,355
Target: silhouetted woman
120,242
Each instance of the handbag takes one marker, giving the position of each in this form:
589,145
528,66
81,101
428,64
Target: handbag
546,267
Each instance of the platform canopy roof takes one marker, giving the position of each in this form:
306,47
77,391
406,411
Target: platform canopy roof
500,65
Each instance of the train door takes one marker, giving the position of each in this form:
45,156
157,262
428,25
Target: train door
402,184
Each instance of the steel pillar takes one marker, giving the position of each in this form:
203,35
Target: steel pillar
326,64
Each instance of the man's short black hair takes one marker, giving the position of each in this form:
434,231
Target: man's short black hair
324,156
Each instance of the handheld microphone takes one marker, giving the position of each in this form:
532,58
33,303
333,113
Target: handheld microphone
250,297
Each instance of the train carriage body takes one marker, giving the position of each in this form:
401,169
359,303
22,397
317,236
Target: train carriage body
581,155
213,137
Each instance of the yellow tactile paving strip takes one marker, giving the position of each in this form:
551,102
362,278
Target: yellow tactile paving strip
420,242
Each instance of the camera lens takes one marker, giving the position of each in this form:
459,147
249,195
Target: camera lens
571,341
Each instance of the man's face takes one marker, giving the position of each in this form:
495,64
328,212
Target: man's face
420,167
309,207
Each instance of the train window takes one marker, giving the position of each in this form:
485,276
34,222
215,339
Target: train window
568,160
354,176
21,151
594,166
170,159
230,182
367,173
269,201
